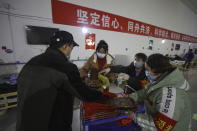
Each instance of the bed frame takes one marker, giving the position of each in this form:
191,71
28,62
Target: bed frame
6,103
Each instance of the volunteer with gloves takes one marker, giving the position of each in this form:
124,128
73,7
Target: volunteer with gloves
165,97
98,61
132,73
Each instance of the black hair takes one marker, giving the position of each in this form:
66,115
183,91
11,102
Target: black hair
141,56
158,63
190,50
102,44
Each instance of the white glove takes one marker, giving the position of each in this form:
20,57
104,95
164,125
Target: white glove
105,71
124,76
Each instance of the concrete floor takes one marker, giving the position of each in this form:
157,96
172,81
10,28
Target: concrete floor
191,76
8,120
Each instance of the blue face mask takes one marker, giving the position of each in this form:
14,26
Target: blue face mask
68,57
137,64
100,55
150,77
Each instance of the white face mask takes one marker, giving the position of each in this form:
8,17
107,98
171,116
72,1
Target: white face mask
150,77
100,55
137,64
68,57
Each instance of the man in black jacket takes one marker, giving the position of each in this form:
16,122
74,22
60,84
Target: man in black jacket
47,86
132,73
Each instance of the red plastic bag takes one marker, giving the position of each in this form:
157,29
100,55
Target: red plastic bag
143,83
93,108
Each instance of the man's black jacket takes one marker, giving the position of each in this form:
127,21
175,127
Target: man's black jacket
47,86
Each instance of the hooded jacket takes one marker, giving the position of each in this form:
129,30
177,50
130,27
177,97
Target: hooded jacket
167,103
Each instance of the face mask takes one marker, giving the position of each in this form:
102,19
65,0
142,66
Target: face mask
100,55
68,57
137,64
150,77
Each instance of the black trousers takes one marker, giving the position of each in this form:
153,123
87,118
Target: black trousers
187,64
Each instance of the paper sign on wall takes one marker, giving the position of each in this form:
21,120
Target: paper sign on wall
90,41
150,47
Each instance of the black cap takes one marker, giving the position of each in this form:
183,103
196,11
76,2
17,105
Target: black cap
62,37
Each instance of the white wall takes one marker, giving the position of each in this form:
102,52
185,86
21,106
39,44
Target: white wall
170,14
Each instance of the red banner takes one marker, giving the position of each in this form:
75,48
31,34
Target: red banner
75,15
90,41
